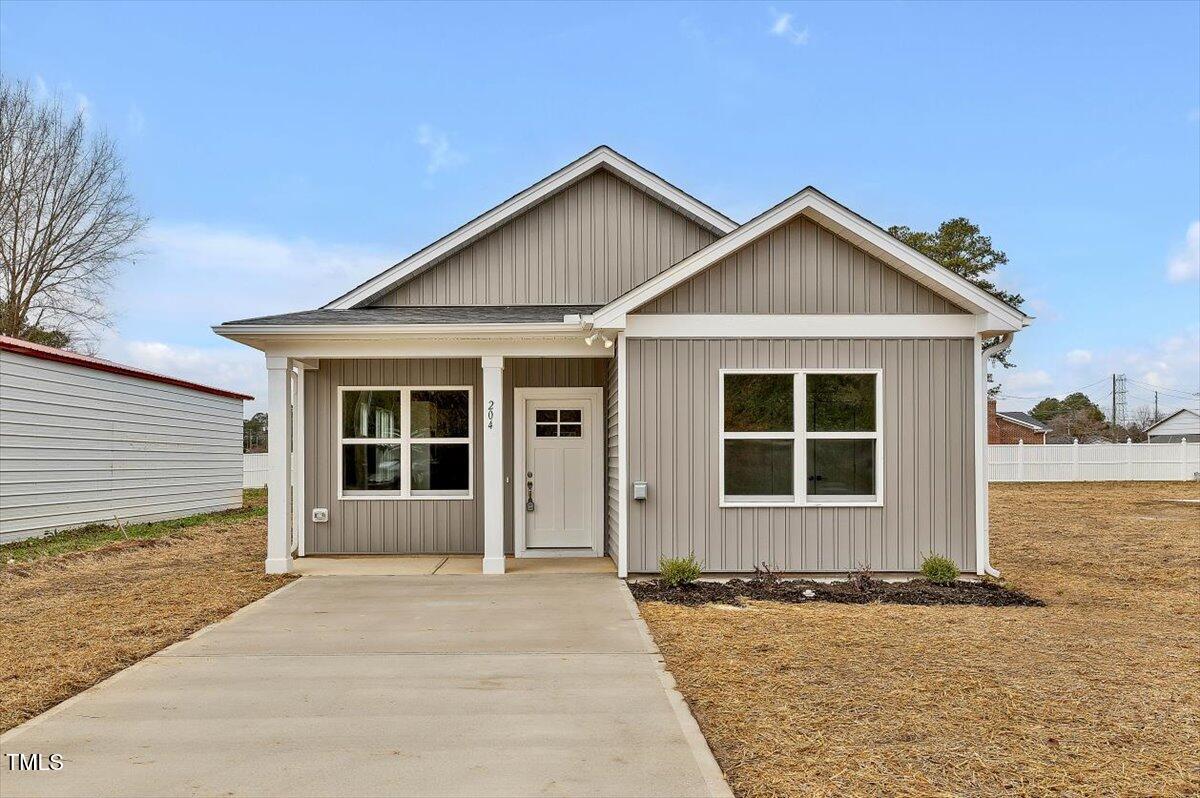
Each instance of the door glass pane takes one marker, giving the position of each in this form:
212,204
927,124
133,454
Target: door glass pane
547,430
838,467
547,415
758,468
841,402
440,414
371,414
570,430
441,467
371,466
570,415
758,402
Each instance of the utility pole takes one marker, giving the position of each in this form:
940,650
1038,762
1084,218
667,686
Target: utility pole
1156,406
1113,417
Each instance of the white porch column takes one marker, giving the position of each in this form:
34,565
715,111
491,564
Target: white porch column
493,465
279,445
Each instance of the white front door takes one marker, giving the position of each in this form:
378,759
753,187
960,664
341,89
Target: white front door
561,480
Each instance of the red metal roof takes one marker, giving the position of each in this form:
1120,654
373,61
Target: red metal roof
75,359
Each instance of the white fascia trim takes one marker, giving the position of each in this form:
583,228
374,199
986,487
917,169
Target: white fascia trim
818,207
490,220
317,347
400,330
1011,420
948,325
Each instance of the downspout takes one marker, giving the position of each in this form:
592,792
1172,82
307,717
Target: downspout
982,538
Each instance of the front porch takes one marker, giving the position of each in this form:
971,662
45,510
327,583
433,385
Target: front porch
443,458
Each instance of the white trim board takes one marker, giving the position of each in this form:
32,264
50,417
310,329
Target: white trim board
595,398
601,157
943,325
315,346
842,221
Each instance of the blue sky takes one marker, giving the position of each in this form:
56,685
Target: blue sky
285,152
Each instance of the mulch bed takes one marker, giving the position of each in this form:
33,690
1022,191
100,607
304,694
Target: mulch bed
857,590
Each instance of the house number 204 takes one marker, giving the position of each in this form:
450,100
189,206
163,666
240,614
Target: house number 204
491,414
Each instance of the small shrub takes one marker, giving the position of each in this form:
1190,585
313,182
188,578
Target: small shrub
676,571
861,577
765,574
939,570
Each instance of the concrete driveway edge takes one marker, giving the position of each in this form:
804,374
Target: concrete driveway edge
7,737
714,777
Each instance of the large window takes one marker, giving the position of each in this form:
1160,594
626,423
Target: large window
405,443
797,437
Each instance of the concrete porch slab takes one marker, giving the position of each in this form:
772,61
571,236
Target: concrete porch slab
444,565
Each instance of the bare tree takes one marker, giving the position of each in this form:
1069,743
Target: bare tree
67,222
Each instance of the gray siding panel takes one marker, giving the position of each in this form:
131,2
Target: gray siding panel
80,446
612,492
588,244
928,440
414,526
800,268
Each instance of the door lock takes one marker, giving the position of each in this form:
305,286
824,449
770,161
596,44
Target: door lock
529,491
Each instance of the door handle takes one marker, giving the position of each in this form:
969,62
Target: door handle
529,492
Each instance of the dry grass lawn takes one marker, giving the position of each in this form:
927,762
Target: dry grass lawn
70,620
1096,694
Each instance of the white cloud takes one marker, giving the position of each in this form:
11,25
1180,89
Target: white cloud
437,147
783,27
1185,263
40,90
84,107
1019,381
1079,357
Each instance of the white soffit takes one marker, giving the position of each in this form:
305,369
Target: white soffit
601,157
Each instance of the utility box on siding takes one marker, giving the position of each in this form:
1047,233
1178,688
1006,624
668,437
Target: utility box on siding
84,440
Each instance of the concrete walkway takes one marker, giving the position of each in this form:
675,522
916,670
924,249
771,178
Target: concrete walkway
388,685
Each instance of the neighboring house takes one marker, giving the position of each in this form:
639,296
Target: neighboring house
1180,425
604,365
1013,426
84,440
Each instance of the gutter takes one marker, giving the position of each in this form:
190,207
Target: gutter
983,542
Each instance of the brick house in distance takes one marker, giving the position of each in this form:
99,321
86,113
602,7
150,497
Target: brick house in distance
1011,426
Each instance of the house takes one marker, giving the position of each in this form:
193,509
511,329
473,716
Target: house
604,365
84,440
1181,425
1013,426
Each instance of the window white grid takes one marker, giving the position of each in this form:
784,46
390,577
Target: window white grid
405,440
799,436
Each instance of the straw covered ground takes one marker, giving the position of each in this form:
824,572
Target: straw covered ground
1096,694
72,619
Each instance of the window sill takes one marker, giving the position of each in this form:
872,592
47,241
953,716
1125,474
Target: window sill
724,503
395,497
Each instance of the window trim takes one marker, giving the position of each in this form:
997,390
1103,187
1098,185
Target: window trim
405,442
799,437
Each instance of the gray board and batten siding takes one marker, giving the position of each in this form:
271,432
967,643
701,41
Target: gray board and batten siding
928,458
589,243
800,267
414,526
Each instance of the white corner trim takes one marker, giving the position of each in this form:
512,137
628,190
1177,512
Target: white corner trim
983,562
552,184
595,398
622,457
842,221
943,325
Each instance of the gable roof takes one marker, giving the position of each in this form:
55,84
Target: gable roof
602,157
1024,419
840,219
1162,421
413,314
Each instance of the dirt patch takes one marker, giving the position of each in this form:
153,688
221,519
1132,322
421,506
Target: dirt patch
71,620
859,591
1096,694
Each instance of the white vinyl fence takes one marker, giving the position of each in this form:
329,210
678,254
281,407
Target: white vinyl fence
1096,462
254,470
